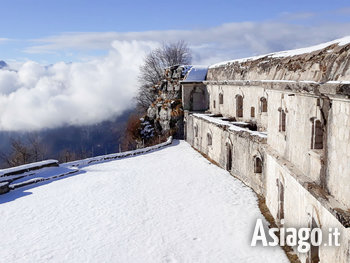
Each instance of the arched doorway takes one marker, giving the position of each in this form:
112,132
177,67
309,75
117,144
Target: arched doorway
197,99
228,156
314,250
239,106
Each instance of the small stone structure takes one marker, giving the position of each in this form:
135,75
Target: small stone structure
281,124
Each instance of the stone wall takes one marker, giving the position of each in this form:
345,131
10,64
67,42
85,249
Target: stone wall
294,143
305,171
338,161
330,63
244,147
300,207
251,96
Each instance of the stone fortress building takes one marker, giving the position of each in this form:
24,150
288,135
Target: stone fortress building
281,124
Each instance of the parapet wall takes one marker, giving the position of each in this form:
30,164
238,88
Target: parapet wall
322,63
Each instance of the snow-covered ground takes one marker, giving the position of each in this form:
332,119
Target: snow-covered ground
170,205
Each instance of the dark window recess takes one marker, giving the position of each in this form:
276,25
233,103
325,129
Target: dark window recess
282,120
252,112
263,105
317,135
239,106
258,165
221,98
196,131
209,139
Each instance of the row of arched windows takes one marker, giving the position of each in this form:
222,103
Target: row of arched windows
209,136
239,105
258,163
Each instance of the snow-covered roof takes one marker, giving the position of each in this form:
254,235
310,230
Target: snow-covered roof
196,74
288,53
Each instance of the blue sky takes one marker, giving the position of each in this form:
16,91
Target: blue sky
94,48
27,24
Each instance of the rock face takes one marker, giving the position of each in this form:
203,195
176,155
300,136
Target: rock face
165,114
323,63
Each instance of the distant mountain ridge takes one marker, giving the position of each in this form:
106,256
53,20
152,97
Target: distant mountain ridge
3,64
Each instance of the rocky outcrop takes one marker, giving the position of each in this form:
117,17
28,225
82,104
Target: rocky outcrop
165,114
322,63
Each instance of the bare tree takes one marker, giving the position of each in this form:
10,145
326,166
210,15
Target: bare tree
67,155
36,147
5,160
24,151
151,72
20,153
132,133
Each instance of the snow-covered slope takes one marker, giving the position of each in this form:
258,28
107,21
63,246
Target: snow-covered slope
171,205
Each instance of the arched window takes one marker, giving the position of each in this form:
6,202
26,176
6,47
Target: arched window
252,112
282,120
228,156
239,106
258,165
317,134
196,130
263,104
314,251
221,98
209,139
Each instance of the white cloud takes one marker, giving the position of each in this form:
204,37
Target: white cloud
210,45
37,97
2,40
343,11
95,90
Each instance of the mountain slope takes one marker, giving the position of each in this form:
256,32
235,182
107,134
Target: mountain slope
3,64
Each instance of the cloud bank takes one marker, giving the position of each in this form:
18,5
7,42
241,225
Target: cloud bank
214,44
36,97
88,92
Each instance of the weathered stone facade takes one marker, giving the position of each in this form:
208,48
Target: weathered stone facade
280,123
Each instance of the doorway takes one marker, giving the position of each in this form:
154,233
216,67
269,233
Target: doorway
228,157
